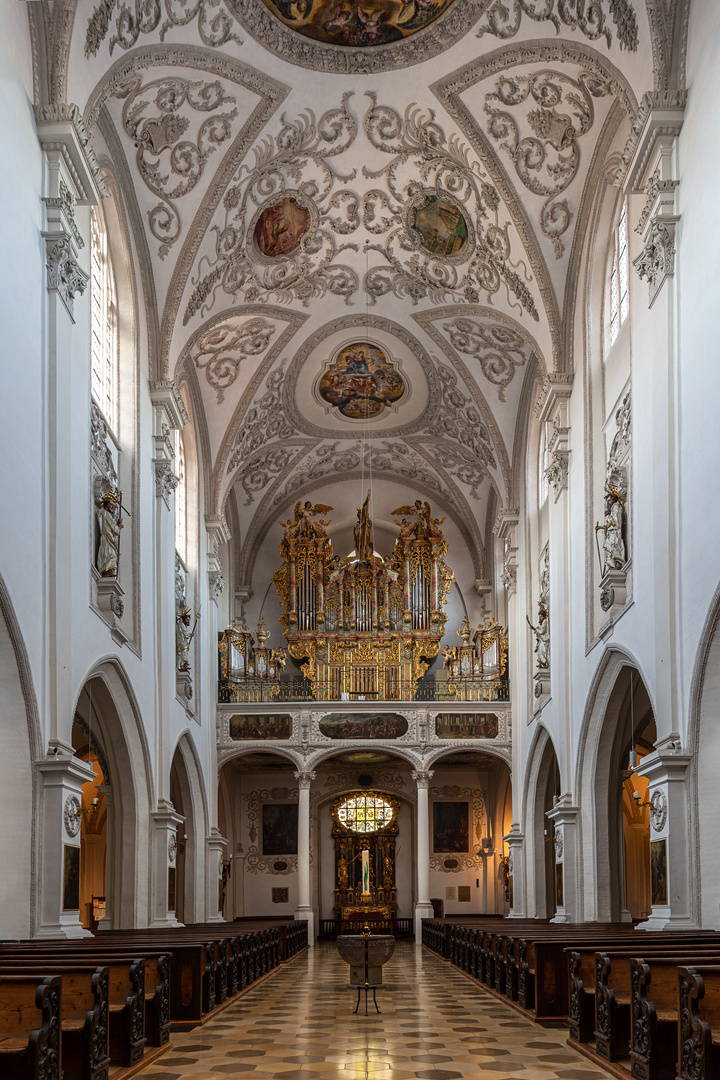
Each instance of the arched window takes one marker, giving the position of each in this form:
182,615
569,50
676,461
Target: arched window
543,466
619,299
180,498
103,322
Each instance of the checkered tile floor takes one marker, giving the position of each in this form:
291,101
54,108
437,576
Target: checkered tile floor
435,1025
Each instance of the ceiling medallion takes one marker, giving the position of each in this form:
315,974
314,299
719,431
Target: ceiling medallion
441,226
280,227
368,23
361,382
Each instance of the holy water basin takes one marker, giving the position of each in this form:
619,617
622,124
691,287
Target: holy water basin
352,950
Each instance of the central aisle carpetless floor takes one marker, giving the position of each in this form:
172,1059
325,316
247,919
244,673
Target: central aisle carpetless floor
435,1025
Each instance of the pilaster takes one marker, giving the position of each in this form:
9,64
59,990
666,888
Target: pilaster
62,778
565,818
515,841
666,771
216,847
166,824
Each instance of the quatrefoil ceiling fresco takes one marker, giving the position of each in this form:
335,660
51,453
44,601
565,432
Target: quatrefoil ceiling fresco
356,227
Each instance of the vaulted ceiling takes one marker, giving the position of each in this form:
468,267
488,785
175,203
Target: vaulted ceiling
358,226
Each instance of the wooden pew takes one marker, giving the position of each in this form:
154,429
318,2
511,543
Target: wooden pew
157,973
30,1033
84,1015
105,1003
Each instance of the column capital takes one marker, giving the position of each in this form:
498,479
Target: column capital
304,778
422,777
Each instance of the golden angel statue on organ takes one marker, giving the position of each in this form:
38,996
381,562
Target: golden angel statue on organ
425,527
302,527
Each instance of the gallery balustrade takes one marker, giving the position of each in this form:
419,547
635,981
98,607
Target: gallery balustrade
298,688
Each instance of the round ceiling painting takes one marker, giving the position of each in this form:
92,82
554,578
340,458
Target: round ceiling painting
361,382
280,228
357,23
441,225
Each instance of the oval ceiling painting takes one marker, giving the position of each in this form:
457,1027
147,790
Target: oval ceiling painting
280,228
361,382
360,22
441,225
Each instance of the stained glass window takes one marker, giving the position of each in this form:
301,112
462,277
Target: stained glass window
365,813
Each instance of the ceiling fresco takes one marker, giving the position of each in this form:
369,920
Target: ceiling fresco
365,23
357,227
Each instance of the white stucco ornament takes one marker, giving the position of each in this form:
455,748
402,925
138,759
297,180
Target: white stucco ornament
71,815
658,810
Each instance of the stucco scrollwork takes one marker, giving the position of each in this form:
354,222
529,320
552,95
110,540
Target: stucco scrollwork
656,261
65,276
220,351
504,18
558,845
71,815
172,847
99,449
215,25
554,111
498,348
292,186
459,420
426,165
169,164
461,465
263,421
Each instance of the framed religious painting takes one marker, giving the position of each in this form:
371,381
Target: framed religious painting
450,826
280,829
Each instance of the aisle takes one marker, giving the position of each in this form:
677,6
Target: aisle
435,1025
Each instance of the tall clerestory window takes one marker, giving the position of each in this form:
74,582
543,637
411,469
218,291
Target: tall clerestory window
180,498
619,298
103,322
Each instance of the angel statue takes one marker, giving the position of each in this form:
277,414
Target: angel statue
613,543
542,637
301,527
426,527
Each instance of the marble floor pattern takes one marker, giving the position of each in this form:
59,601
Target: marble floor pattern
435,1025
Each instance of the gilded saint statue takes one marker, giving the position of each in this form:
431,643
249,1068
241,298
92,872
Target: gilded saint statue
109,525
363,531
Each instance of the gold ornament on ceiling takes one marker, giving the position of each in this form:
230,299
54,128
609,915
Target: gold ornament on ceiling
357,24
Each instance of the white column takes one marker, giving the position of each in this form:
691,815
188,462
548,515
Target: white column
423,907
304,908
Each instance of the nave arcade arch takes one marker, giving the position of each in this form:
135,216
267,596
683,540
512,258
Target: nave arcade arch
619,732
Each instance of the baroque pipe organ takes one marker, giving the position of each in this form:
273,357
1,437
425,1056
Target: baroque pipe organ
365,626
